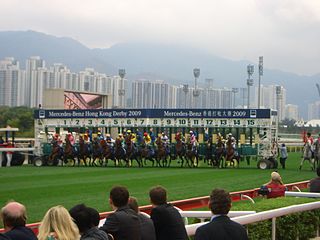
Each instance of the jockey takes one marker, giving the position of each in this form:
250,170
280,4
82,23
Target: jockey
178,136
310,141
165,141
71,138
232,140
109,139
86,138
100,136
147,138
193,140
152,135
57,138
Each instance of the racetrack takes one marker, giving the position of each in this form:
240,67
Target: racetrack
41,188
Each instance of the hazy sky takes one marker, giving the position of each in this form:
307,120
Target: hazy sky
285,32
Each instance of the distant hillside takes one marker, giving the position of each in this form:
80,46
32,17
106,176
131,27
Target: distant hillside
173,64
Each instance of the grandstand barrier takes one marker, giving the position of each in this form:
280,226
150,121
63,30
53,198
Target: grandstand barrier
261,216
194,203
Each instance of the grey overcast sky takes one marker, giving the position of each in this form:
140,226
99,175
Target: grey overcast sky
285,32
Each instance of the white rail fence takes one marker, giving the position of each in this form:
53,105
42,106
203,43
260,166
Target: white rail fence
262,216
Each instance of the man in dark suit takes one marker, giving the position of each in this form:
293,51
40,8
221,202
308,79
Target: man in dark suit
220,226
14,219
166,219
146,224
123,223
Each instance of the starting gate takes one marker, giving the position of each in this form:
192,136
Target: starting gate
255,130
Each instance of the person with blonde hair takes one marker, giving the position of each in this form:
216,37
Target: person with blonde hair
57,224
274,188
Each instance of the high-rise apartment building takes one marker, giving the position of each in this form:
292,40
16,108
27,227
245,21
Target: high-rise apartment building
11,79
32,85
153,94
273,97
291,112
314,110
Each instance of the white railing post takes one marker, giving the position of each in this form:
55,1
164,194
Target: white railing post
274,228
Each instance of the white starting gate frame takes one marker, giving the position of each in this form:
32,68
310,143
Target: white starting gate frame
263,119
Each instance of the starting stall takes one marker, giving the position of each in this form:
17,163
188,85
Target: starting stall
255,130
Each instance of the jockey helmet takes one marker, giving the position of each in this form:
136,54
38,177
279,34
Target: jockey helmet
129,131
99,133
145,134
120,135
108,135
191,132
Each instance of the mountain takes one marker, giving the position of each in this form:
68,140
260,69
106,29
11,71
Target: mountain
171,63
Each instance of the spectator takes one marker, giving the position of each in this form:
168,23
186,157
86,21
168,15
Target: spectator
57,224
146,224
14,217
166,219
220,226
85,219
283,155
315,183
275,187
123,223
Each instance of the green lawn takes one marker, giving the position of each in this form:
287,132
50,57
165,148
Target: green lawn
41,188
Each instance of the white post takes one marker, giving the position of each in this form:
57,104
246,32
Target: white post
274,228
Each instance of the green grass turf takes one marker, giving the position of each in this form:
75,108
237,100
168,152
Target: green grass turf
44,187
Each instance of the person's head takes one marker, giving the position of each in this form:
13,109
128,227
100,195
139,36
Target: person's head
119,196
81,217
318,171
13,214
95,216
158,195
220,201
308,134
276,178
163,133
133,204
145,134
283,145
58,220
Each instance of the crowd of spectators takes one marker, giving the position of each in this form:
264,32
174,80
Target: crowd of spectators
126,222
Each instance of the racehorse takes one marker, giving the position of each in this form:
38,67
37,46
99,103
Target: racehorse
55,154
316,153
96,153
209,152
219,154
84,151
161,153
180,152
230,156
192,155
69,153
119,152
307,155
131,152
106,152
146,153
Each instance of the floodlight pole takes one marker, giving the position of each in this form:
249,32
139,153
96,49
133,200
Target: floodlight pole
121,91
196,92
250,70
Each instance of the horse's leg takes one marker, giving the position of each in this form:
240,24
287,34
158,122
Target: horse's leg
301,163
